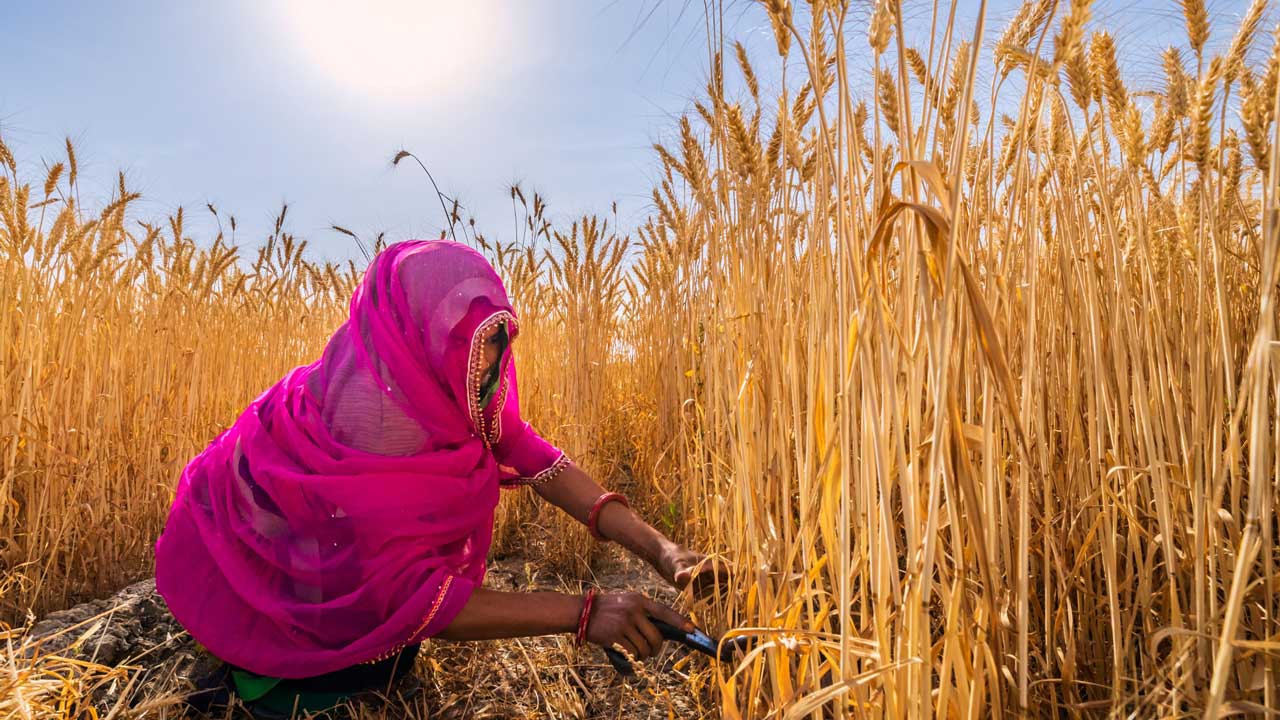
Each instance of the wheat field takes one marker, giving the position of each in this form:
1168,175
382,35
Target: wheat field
973,379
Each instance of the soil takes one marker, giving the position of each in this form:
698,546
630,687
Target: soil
145,661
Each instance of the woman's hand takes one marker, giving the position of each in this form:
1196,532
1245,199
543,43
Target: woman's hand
682,567
623,619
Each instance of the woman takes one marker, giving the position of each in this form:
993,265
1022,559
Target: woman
348,512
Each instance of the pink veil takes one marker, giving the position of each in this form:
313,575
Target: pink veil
349,510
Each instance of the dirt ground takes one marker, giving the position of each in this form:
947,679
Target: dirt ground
134,661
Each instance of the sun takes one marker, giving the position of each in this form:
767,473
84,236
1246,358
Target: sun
396,50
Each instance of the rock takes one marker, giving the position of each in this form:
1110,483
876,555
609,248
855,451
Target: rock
112,630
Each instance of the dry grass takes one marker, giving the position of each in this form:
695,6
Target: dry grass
529,678
977,387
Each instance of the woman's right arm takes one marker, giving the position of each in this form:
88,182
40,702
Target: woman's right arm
616,618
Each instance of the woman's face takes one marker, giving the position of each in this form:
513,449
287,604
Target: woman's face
492,350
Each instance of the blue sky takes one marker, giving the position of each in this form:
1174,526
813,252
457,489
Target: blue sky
250,104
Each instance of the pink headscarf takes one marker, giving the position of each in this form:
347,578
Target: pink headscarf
349,510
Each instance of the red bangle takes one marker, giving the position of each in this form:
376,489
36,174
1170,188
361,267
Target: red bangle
587,601
593,517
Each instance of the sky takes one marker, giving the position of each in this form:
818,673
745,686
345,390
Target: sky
251,104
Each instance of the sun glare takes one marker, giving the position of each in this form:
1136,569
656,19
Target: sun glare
397,50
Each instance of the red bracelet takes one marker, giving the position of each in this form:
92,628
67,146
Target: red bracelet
587,601
593,517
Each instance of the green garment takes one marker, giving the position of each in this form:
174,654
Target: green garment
316,695
279,696
488,390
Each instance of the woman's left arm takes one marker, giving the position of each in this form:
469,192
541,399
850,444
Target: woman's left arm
576,492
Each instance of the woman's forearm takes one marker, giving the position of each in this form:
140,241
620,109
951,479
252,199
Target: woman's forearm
493,615
619,523
575,492
624,619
